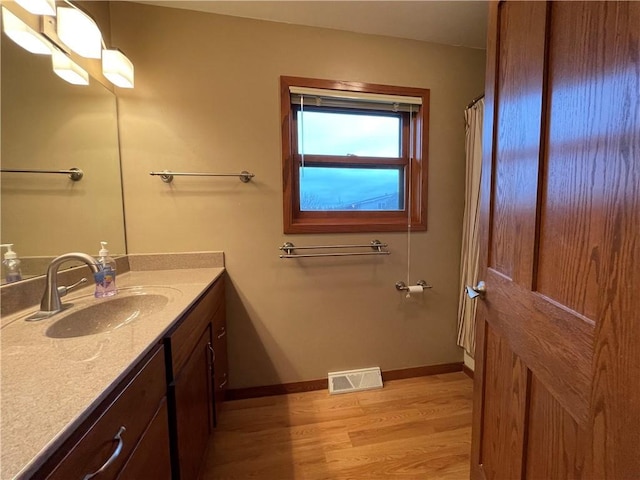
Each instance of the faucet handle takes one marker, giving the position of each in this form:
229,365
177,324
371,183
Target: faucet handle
62,291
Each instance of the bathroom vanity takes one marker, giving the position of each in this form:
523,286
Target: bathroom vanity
136,401
194,358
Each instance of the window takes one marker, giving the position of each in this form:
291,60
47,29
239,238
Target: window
354,156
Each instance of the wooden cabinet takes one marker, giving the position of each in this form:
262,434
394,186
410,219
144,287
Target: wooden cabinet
151,457
221,366
194,410
116,432
157,422
197,373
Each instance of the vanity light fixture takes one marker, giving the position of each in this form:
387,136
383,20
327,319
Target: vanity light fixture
117,68
23,35
39,7
74,31
68,70
79,32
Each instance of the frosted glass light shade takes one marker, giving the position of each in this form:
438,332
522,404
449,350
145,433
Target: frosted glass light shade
117,68
23,35
39,7
69,70
79,32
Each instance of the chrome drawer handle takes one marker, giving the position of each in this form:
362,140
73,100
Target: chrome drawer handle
116,453
213,353
224,332
223,383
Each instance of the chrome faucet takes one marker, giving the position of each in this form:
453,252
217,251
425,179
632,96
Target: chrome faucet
51,303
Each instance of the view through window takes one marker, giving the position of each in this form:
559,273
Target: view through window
352,134
354,157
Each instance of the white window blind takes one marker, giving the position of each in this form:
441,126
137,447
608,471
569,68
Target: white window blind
349,99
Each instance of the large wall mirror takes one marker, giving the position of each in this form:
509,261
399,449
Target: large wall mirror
49,124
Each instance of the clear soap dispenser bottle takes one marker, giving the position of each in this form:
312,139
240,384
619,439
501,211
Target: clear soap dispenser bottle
11,264
106,277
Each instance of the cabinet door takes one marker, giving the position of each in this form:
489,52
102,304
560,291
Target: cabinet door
194,407
220,366
151,458
183,337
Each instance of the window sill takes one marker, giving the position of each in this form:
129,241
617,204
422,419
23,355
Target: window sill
324,226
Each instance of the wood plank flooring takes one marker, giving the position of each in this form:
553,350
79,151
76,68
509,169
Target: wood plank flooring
417,428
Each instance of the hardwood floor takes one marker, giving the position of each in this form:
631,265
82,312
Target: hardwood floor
417,428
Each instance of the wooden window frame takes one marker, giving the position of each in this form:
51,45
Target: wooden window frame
297,221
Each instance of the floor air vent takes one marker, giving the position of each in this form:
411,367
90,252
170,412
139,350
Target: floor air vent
355,380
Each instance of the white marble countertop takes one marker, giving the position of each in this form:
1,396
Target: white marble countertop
49,385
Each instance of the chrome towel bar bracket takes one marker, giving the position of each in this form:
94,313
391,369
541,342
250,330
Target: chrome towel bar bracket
167,175
376,246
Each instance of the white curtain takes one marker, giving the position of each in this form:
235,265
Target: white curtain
470,243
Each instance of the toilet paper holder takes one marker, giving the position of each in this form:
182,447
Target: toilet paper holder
402,287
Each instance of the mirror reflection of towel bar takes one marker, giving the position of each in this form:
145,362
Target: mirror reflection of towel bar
74,173
376,245
167,176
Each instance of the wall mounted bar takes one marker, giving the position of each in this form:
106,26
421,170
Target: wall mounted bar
75,174
167,176
376,246
402,287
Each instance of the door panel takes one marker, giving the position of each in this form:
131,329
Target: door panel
554,446
554,342
575,178
557,384
615,400
506,389
518,115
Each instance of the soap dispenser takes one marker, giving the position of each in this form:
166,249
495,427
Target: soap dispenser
11,264
106,277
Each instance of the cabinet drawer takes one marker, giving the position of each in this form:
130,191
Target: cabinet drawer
133,409
184,337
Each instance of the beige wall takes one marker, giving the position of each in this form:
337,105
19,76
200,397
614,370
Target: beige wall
207,99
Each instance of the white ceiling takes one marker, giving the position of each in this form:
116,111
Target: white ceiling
462,23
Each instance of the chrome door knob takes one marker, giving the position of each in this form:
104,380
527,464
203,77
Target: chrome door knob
476,291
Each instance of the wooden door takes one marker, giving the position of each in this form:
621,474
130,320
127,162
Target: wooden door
557,384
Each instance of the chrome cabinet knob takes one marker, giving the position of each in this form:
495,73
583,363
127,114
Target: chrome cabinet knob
476,291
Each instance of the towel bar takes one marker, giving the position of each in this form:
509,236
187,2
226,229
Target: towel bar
167,176
74,173
376,245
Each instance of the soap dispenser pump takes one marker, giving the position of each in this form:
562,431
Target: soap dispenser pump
106,277
11,264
